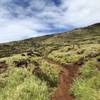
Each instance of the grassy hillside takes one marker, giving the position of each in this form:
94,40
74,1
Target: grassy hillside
27,74
83,35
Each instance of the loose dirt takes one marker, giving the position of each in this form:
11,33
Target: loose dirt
66,77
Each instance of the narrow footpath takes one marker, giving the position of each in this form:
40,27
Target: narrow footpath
66,77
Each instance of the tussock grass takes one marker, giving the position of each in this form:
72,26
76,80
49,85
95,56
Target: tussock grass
21,84
51,71
87,85
64,55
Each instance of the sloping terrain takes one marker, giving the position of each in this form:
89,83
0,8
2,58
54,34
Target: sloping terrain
83,35
64,66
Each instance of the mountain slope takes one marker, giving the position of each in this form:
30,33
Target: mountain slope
39,68
91,33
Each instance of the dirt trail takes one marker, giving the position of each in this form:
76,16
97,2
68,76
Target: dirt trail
66,76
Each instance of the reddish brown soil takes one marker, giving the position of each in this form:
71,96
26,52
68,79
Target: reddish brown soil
66,77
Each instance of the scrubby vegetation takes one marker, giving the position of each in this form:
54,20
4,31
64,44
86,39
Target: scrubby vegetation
27,74
87,85
21,83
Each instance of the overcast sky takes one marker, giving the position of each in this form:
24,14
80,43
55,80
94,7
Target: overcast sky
20,19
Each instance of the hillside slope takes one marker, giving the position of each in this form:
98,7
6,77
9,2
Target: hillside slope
91,33
64,66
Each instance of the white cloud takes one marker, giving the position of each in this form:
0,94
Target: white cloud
83,12
37,17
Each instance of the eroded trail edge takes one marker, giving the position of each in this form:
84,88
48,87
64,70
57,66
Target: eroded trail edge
68,72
